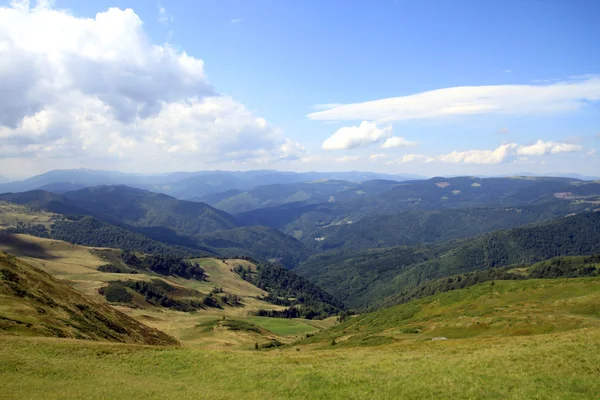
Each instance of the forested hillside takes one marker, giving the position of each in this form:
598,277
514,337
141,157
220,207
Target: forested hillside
362,278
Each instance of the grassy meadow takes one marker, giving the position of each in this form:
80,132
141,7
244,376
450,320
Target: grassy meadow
554,366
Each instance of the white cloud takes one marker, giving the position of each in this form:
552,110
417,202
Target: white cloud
501,154
479,156
346,159
236,20
471,100
397,141
352,137
413,158
541,148
97,88
377,157
590,154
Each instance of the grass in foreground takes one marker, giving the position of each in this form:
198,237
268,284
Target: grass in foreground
553,366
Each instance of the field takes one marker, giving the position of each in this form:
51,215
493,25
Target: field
554,366
77,266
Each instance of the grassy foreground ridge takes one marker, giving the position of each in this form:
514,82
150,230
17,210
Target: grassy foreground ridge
554,366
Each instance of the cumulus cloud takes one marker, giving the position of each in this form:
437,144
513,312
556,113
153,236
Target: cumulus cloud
471,100
352,137
364,135
98,87
541,148
479,156
397,141
503,153
413,158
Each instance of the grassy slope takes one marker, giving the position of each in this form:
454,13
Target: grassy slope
32,303
533,341
500,309
78,267
555,366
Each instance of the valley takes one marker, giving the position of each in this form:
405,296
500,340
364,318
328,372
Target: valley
456,277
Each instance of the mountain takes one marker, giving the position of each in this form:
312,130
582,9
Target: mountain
307,222
142,208
89,177
209,182
313,192
184,185
62,187
4,179
362,278
417,227
33,303
138,220
259,242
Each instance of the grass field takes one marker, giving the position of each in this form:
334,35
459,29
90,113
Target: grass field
77,266
554,366
281,326
500,309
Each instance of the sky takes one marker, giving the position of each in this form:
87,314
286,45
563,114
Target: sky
429,88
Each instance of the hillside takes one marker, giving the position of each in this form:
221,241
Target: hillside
498,309
33,303
180,297
93,227
419,227
384,272
312,192
309,221
258,242
146,209
531,342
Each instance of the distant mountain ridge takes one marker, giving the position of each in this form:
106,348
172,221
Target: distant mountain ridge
124,217
183,185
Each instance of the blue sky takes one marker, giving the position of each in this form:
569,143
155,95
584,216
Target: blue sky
523,84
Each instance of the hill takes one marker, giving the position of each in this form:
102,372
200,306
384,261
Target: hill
309,221
259,242
434,226
384,272
33,303
133,219
184,185
312,192
178,296
505,308
531,342
146,209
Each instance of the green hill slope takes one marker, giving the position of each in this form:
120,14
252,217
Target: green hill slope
498,309
146,209
362,278
33,303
